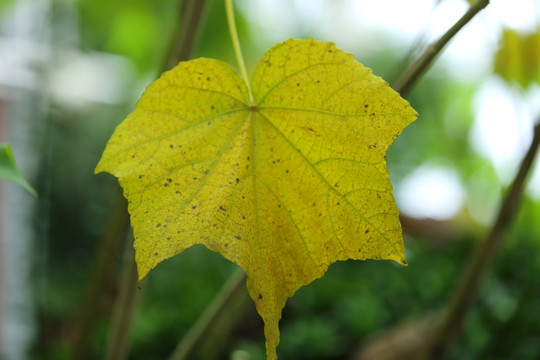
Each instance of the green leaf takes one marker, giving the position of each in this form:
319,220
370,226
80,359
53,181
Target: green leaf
283,187
9,170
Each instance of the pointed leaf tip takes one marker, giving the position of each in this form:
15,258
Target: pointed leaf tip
9,170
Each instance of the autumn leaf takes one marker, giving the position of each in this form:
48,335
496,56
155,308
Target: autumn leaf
283,187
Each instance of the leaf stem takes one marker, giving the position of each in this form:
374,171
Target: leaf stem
236,46
404,84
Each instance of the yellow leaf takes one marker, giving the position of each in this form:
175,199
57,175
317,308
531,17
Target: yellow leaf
517,60
283,187
531,57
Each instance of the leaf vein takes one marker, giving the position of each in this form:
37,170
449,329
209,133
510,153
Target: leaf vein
280,133
203,180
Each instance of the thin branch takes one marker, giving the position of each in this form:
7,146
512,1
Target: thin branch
190,21
223,301
404,84
467,289
430,336
101,273
120,330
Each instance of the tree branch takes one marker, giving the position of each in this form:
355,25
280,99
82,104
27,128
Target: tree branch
120,329
404,84
467,289
430,336
100,275
191,19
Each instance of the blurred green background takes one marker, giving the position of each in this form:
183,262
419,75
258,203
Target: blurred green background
71,70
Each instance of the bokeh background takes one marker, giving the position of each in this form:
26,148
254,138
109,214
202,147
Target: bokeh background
71,70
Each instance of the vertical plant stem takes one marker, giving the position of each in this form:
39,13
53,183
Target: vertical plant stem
404,84
224,299
100,276
236,46
120,330
190,20
469,285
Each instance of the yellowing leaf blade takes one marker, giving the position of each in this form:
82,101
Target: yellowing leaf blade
164,151
283,188
326,123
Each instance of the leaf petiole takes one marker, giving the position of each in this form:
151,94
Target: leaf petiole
236,46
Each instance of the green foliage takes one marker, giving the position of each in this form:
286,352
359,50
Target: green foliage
138,29
5,5
9,170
